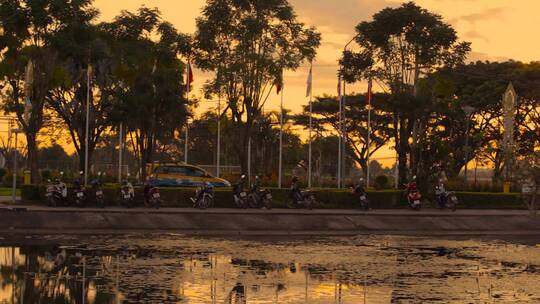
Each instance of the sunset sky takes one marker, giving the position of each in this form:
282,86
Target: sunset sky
498,30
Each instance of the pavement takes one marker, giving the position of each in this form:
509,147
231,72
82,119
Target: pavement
386,212
38,219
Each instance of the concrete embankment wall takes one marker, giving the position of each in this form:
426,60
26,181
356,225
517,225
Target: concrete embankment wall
261,223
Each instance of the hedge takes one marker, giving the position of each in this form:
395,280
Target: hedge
326,198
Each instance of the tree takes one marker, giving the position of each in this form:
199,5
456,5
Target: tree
79,48
397,48
147,80
27,28
481,85
247,44
326,120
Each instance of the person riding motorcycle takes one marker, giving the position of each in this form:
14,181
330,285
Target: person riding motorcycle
296,192
359,189
129,187
412,187
440,193
240,185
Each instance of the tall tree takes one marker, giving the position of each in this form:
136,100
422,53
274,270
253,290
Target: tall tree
81,55
397,48
27,29
326,120
247,44
149,90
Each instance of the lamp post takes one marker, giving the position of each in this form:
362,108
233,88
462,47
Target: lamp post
468,112
14,184
342,137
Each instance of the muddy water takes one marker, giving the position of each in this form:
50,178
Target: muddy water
178,269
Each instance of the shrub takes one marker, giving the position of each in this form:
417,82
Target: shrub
30,193
326,198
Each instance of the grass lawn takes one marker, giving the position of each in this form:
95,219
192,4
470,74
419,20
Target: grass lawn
7,192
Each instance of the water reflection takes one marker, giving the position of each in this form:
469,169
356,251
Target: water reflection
175,269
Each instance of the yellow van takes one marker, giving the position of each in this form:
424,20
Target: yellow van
180,175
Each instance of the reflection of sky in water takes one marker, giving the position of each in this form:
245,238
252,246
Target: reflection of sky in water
175,269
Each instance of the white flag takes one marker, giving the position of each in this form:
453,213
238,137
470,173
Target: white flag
309,81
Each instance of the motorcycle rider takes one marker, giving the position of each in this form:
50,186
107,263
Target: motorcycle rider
296,192
129,186
240,185
359,189
440,193
360,192
412,187
238,188
256,184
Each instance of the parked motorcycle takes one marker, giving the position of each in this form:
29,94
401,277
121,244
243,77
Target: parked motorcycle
56,193
204,197
97,190
80,194
299,198
362,196
260,198
152,196
240,196
414,199
446,199
127,194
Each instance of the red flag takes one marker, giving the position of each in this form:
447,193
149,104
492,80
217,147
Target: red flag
369,94
189,73
279,85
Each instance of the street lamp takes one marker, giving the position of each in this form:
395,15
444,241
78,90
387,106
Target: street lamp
468,112
342,138
14,184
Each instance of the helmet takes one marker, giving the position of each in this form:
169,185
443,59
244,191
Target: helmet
124,182
81,172
361,179
256,177
414,177
295,178
56,180
243,176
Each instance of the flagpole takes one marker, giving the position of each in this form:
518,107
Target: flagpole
218,163
310,120
188,71
88,72
368,131
340,100
344,136
280,134
120,150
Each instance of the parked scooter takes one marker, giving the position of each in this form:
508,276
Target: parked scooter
56,193
79,191
299,198
97,190
362,195
127,194
259,197
204,196
413,195
445,199
240,195
152,197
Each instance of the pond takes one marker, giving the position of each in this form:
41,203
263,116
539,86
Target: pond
179,269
